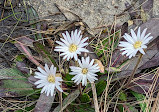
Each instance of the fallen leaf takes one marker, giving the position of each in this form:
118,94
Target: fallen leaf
32,80
101,67
16,86
130,22
44,103
69,99
22,67
25,41
33,20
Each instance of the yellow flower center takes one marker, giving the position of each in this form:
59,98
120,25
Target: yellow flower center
84,71
137,44
73,48
51,78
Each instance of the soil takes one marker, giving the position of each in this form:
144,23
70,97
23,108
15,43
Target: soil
9,30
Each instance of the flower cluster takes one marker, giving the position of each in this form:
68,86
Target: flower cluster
73,45
69,47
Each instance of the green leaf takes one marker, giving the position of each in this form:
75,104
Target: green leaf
140,97
100,87
19,57
122,96
84,98
81,108
121,108
113,69
10,73
68,78
15,85
131,108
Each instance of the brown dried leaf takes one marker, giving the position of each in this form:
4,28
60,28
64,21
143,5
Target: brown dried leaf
101,67
22,67
25,41
32,79
151,63
44,103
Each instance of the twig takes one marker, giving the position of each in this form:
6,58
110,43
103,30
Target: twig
61,100
80,88
126,108
110,58
95,97
29,56
133,72
155,107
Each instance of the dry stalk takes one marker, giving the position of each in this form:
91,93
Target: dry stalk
61,100
111,53
133,72
95,97
151,91
155,107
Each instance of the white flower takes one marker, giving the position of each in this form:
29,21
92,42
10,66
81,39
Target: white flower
86,70
72,45
135,43
48,80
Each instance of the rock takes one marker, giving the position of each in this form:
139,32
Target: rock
94,13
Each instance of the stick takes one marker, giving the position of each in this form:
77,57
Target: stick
95,97
133,72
